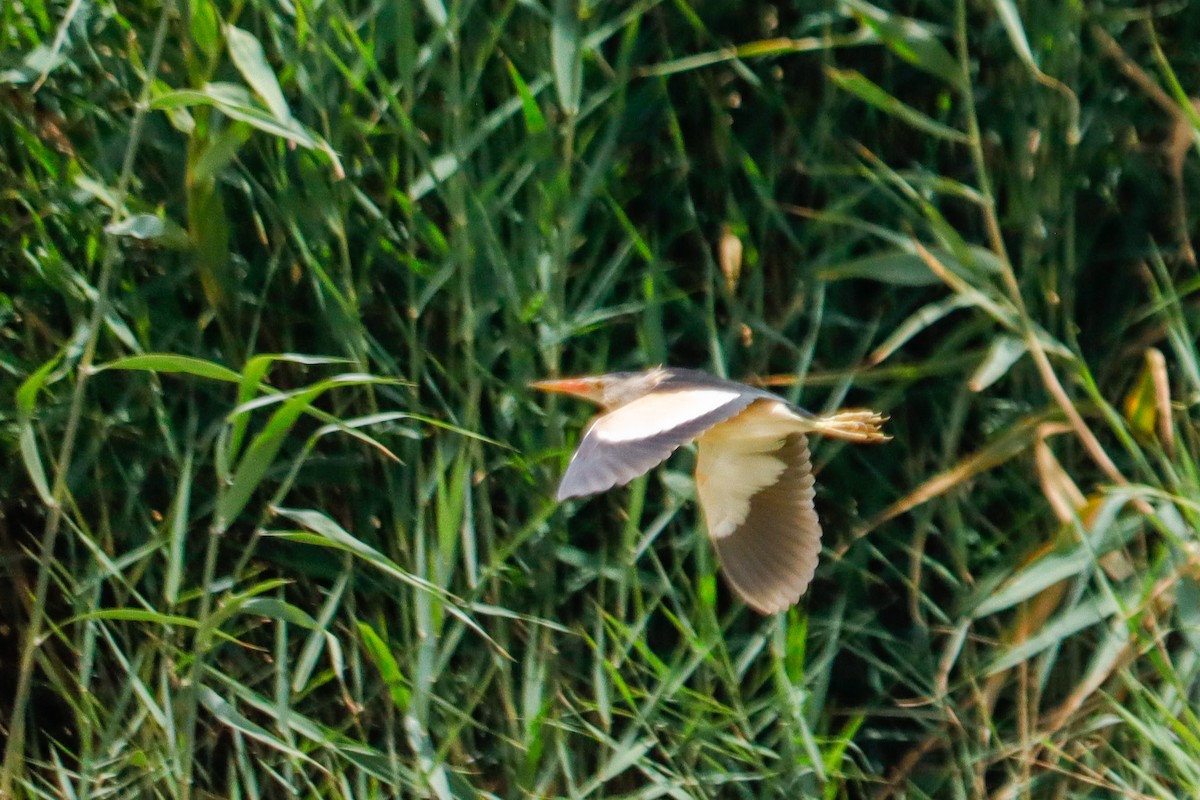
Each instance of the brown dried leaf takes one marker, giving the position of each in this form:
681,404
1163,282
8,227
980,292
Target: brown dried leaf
729,255
1061,493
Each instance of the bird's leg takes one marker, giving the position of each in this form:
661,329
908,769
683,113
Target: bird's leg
855,424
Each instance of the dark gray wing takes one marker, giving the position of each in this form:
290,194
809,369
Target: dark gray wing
631,440
769,555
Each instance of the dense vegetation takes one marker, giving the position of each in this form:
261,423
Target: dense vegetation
279,519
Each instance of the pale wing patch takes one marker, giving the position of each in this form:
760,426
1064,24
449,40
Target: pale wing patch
601,463
659,412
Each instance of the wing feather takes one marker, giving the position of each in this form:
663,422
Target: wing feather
757,495
631,440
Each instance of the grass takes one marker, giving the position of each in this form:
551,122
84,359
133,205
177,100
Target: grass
280,516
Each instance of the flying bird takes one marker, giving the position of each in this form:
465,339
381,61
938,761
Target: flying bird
753,473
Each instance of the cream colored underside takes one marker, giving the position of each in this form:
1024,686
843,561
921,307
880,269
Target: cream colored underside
737,459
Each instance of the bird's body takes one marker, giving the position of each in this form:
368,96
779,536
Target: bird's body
753,474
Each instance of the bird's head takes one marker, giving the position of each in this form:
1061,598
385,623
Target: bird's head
610,391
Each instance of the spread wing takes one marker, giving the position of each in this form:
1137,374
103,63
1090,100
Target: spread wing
757,495
629,441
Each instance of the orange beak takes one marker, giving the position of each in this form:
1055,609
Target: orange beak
579,387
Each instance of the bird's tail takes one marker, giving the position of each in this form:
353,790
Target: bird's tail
854,424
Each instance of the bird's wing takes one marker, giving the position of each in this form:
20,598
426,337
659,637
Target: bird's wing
756,490
629,441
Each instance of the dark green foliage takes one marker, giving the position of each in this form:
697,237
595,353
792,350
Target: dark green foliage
306,541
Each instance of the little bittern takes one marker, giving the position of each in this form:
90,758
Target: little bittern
753,474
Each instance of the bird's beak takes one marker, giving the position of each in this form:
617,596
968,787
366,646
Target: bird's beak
579,387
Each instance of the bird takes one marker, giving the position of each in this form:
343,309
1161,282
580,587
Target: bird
753,471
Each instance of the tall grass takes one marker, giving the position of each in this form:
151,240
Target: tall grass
279,519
